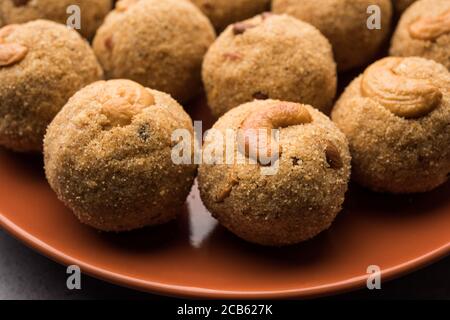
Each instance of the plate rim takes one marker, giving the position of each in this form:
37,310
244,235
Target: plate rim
350,284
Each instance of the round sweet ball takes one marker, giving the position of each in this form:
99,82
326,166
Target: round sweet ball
269,56
90,12
396,117
108,156
424,31
344,23
401,5
298,195
159,44
42,64
225,12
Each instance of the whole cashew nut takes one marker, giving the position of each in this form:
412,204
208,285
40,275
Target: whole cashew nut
403,96
124,101
430,28
6,31
10,53
263,121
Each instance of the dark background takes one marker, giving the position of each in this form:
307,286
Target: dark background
25,274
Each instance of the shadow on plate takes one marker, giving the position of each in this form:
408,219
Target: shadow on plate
362,200
30,164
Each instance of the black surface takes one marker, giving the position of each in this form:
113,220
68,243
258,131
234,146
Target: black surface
25,274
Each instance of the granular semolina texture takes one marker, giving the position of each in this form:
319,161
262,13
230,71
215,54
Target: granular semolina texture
298,200
344,23
424,31
269,56
92,12
159,44
396,117
108,156
42,64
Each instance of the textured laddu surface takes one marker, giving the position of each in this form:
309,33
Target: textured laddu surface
92,12
299,201
59,62
406,46
277,57
344,23
159,44
120,177
391,153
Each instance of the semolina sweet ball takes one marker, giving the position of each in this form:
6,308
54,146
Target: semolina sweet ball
424,31
344,23
108,156
269,56
159,44
92,12
225,12
42,64
296,201
396,116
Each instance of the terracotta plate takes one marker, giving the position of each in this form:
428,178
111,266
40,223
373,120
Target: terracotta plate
195,257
